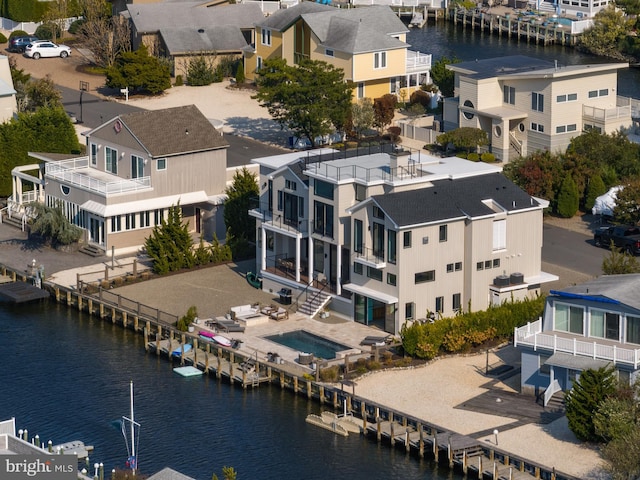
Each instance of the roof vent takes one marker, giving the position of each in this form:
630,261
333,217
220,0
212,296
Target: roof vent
201,30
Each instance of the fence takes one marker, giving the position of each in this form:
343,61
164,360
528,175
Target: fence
424,129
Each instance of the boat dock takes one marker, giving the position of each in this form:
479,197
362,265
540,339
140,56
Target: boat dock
19,292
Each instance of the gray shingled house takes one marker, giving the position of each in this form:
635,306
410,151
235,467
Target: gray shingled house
180,31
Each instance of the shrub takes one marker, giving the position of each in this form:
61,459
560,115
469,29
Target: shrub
461,155
187,319
74,28
3,39
18,33
240,74
568,197
474,157
179,82
394,134
421,97
487,157
200,71
330,374
48,31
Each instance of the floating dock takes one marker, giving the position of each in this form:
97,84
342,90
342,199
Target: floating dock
188,371
19,292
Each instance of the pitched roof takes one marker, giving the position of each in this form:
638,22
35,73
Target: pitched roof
454,198
285,17
173,131
169,474
221,38
623,288
351,36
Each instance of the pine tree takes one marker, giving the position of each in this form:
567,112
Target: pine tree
242,196
240,73
169,245
568,198
594,190
584,399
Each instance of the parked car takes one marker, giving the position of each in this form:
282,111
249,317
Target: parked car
18,44
624,237
46,48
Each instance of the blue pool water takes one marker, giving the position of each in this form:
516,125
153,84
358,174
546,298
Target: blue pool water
303,341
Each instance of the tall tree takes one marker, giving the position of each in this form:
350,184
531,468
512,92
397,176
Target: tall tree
169,244
595,188
627,208
610,26
568,198
140,72
362,115
311,99
442,76
41,93
105,35
582,402
384,109
242,196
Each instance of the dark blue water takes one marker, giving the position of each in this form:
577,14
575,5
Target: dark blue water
65,376
308,342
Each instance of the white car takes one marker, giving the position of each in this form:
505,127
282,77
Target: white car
46,48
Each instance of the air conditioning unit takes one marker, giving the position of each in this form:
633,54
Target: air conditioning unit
501,281
516,278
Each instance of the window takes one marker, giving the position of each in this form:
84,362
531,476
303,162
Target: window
270,195
259,63
392,279
537,102
357,236
357,268
323,189
468,104
145,219
280,200
480,266
116,224
439,304
487,264
408,310
266,37
374,273
393,85
509,95
537,127
161,164
543,367
323,223
290,185
380,60
328,52
391,246
458,266
496,263
443,233
361,192
633,329
360,90
424,277
130,221
568,318
300,207
111,160
406,239
377,212
378,240
561,98
158,216
94,154
449,267
137,166
571,97
605,325
499,235
561,129
455,302
599,93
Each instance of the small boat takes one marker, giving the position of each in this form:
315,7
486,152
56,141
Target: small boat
178,351
212,337
254,280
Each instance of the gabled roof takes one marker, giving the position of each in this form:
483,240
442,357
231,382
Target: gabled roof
172,131
285,17
351,36
169,474
223,38
621,288
152,17
454,199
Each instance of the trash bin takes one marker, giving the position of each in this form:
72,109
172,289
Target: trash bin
285,296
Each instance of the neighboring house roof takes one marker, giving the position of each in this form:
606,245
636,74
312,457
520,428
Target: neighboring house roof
285,17
172,131
521,66
153,17
451,199
207,39
169,474
6,90
353,36
621,288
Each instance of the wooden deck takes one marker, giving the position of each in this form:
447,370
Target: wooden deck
19,292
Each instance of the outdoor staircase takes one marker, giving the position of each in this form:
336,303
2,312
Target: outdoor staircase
92,250
16,217
556,403
314,303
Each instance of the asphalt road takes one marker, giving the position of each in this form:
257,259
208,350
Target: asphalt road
95,110
572,250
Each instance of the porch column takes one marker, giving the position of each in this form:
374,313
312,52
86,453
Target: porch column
19,191
339,270
311,254
263,249
297,258
40,186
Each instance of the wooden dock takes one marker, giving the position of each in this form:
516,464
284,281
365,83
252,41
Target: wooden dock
19,292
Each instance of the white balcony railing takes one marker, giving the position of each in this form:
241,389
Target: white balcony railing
532,336
418,61
605,114
76,172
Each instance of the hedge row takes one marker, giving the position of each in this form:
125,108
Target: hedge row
461,333
33,10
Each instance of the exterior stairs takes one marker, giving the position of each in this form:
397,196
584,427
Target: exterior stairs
92,250
556,403
314,303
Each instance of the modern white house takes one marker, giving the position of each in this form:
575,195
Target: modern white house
526,105
388,237
8,105
138,165
586,326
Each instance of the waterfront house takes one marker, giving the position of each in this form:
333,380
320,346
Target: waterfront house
183,31
526,105
138,165
585,326
389,237
368,43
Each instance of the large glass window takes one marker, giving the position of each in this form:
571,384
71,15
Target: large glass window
378,240
357,236
605,325
406,239
499,236
633,329
137,166
443,233
409,310
569,318
266,36
323,189
456,302
509,95
94,154
423,277
374,273
391,246
111,160
323,223
537,102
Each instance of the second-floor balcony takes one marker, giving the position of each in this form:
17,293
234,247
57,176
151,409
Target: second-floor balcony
598,349
417,62
280,221
77,172
370,257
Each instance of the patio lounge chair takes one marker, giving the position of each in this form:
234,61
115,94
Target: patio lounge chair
280,314
229,326
373,340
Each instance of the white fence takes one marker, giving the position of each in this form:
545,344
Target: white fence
9,25
424,129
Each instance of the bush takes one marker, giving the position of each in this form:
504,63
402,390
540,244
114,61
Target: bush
474,157
18,33
187,319
3,39
421,97
487,157
394,134
74,28
48,31
240,74
568,197
200,71
179,82
330,374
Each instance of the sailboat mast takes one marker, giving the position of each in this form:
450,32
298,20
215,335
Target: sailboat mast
133,440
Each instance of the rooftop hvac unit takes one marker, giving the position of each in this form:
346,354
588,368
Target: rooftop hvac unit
516,278
501,281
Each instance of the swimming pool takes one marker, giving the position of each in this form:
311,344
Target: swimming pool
306,342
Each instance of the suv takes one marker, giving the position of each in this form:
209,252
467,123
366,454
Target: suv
46,48
18,44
